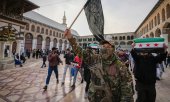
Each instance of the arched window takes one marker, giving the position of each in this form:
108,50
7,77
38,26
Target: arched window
53,33
158,18
163,15
155,21
38,29
50,32
113,38
116,38
57,34
46,32
151,24
42,30
123,37
128,37
132,37
32,28
168,11
120,38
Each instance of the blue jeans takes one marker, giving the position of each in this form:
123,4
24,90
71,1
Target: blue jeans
50,70
75,75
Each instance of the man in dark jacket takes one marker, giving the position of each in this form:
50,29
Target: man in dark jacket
145,75
68,60
54,61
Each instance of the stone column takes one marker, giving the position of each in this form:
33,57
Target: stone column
34,44
18,50
10,50
2,49
43,44
51,45
165,36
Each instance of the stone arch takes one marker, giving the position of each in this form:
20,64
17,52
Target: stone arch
167,11
60,44
122,43
55,42
163,15
129,42
151,35
28,41
48,40
39,41
157,32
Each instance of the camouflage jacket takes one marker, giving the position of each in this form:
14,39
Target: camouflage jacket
111,80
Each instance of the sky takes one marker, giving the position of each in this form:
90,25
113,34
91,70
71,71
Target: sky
120,15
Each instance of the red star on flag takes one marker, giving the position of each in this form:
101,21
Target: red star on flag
147,45
156,44
140,45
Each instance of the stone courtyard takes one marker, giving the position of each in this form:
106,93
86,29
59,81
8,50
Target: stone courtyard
25,84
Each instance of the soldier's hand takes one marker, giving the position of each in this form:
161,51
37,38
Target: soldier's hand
67,34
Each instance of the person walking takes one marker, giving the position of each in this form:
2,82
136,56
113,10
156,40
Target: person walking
145,74
44,57
78,62
54,61
68,60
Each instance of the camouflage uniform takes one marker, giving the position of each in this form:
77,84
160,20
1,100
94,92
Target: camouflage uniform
111,80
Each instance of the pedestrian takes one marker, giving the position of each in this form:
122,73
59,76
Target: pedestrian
168,60
17,60
124,57
78,62
68,60
145,74
54,61
44,57
87,61
111,80
22,58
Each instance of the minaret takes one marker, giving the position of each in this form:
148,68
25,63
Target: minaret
64,19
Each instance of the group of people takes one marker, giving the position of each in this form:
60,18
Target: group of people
107,74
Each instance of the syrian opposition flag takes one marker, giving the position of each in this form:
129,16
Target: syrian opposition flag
149,44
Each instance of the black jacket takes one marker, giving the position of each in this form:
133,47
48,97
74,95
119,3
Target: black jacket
145,67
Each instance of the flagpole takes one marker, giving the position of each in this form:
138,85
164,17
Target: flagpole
77,17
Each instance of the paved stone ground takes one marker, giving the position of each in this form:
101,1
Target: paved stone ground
24,84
